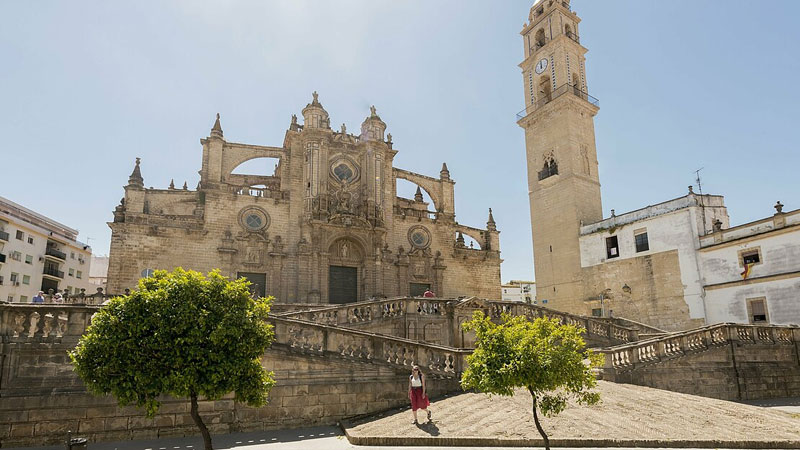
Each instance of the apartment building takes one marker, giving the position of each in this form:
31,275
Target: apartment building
39,253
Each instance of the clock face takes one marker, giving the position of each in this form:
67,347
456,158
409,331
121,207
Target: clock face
541,66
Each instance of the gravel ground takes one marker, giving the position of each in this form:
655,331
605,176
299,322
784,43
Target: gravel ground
626,412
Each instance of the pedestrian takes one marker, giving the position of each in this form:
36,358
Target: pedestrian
418,393
57,298
38,298
428,293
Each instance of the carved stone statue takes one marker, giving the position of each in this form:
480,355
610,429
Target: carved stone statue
344,250
277,244
252,255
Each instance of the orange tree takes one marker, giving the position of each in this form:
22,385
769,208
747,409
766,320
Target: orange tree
543,356
181,334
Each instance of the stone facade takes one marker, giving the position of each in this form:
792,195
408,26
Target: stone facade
327,226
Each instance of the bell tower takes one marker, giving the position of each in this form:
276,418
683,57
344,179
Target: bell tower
563,184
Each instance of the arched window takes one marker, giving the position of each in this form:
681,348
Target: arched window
550,168
540,38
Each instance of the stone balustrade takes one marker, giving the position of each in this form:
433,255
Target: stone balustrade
650,351
43,322
374,310
321,339
594,327
368,311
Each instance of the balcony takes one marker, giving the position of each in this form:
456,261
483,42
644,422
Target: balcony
50,251
3,236
53,272
573,36
564,89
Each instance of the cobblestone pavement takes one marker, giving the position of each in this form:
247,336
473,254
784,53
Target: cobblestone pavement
626,412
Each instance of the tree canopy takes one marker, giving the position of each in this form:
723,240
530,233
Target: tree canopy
543,356
181,334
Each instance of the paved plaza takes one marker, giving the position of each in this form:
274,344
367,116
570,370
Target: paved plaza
627,413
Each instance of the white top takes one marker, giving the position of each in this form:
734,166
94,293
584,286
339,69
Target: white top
416,382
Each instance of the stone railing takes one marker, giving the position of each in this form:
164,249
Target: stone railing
43,322
372,310
596,328
318,339
631,356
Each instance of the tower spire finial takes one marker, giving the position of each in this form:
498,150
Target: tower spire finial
136,180
418,195
490,224
216,131
444,173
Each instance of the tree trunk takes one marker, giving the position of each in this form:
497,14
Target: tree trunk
536,421
199,422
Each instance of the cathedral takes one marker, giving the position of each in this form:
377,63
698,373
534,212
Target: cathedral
326,227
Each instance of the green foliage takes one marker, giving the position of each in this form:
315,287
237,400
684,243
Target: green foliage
180,334
545,357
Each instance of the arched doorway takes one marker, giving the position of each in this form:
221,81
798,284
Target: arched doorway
346,259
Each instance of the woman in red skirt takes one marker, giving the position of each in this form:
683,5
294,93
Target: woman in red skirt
418,393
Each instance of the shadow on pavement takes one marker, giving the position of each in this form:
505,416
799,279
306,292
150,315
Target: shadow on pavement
429,428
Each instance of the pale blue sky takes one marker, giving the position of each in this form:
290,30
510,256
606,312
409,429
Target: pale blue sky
85,87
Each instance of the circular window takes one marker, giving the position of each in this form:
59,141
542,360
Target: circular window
344,170
419,237
253,218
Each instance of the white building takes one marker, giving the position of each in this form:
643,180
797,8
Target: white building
38,253
519,291
769,292
681,258
98,275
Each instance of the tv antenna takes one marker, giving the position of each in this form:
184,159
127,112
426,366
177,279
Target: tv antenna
697,179
701,201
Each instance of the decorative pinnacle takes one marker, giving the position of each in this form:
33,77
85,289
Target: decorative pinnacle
490,224
185,186
172,183
136,179
444,173
418,195
216,131
315,100
779,207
